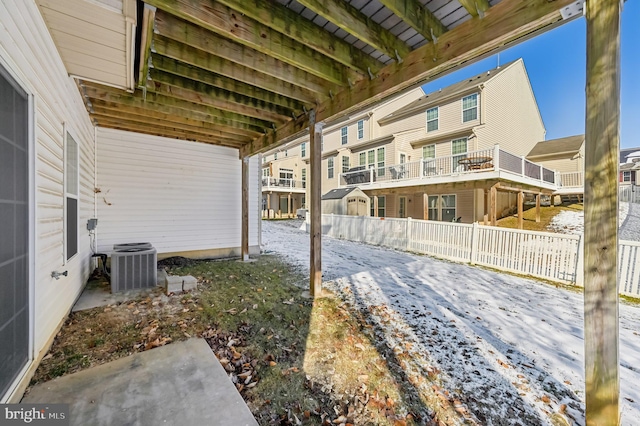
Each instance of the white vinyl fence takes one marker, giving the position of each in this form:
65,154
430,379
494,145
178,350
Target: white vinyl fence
555,257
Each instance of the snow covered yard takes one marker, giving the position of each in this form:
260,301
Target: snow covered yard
568,222
509,349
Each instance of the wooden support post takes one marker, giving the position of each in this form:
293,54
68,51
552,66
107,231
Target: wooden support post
315,193
425,206
493,202
538,207
375,206
602,141
269,205
289,205
520,210
244,249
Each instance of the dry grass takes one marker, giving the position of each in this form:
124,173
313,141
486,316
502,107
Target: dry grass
314,362
546,214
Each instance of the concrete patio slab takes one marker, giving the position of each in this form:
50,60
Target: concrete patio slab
179,384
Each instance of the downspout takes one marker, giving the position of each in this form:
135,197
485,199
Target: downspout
95,194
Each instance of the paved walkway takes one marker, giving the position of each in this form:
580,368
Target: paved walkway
179,384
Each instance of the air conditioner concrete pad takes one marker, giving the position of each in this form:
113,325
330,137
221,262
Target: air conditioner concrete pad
173,284
189,283
179,384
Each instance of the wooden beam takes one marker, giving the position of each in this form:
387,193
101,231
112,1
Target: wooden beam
166,132
246,58
493,205
475,7
148,16
602,143
210,131
508,22
417,16
143,100
538,196
178,115
425,206
359,25
245,209
182,69
208,41
193,91
375,206
315,206
288,22
520,202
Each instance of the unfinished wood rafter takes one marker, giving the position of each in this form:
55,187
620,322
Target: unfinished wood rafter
350,19
148,17
198,74
148,100
507,22
164,120
287,22
207,41
241,56
475,7
167,132
193,91
417,16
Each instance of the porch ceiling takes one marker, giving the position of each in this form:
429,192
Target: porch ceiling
245,73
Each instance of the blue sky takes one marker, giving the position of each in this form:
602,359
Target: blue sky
555,63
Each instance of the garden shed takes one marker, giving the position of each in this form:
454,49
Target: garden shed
346,201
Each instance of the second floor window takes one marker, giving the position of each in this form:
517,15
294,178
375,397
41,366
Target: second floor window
470,108
626,176
432,119
429,151
345,164
303,149
362,159
330,168
304,178
360,129
343,135
381,161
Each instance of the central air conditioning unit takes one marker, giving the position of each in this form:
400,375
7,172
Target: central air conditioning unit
134,268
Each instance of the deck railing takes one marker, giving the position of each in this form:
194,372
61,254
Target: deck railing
452,165
555,257
277,183
571,179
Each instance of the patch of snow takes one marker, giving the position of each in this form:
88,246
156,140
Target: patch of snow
510,348
572,222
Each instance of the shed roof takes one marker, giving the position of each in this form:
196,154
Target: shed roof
564,147
338,193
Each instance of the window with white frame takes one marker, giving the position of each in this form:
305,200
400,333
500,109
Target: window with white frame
286,152
362,159
429,151
360,129
265,172
432,119
381,161
304,178
433,210
303,149
275,156
371,158
459,151
470,108
71,189
626,176
330,168
344,135
345,164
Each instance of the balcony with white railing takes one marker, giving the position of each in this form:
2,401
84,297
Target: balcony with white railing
283,185
490,163
570,182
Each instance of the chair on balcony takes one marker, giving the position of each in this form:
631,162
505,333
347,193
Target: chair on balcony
395,175
429,168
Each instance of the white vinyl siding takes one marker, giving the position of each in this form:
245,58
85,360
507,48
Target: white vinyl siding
181,196
28,53
470,108
432,119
